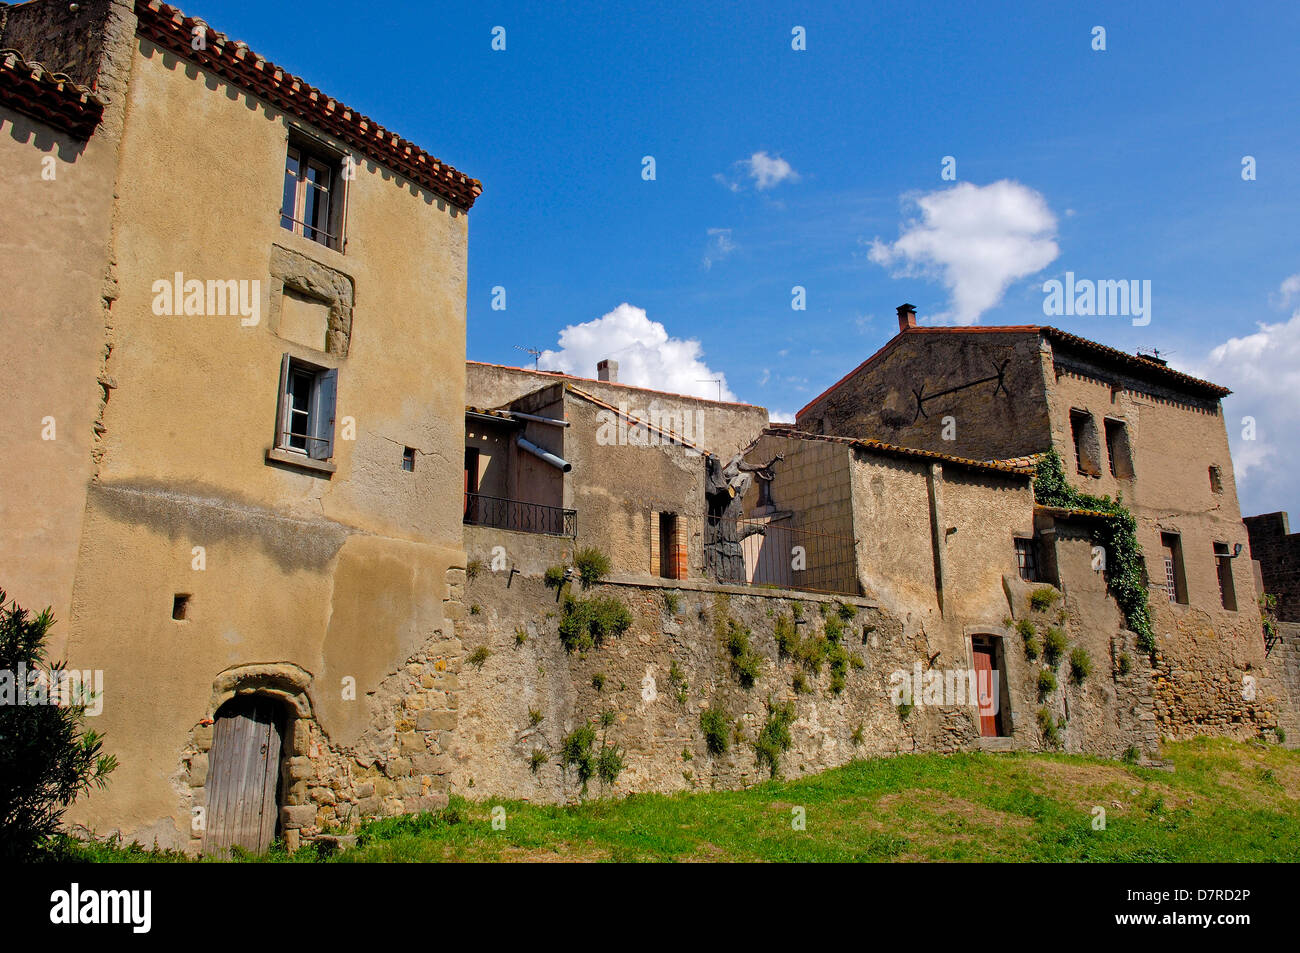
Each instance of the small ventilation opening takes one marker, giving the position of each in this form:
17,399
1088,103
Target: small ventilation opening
408,459
180,605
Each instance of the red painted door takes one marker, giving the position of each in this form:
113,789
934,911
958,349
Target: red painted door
986,685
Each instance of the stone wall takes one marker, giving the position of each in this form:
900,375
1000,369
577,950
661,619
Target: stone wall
528,693
1278,551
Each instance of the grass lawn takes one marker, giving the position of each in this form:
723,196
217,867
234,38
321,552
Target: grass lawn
1225,801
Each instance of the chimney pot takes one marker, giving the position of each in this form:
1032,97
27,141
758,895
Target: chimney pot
906,317
607,370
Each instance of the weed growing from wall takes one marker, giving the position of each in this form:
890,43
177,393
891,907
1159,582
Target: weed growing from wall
774,740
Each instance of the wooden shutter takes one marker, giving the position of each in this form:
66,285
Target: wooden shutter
322,417
282,414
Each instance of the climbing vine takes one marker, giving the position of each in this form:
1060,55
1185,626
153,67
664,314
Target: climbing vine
1117,534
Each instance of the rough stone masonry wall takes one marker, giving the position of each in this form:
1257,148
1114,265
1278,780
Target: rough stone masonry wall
400,766
528,693
1284,680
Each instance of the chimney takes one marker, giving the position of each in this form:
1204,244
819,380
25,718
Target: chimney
607,370
906,317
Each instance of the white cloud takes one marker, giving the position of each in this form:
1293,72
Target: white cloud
976,240
1289,289
1263,370
646,355
719,247
768,171
764,170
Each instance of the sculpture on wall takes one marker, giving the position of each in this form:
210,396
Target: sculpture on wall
725,486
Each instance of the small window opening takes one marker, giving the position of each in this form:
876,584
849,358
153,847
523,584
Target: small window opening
180,605
408,459
1223,563
1171,546
672,552
1216,480
1087,449
1118,449
1027,559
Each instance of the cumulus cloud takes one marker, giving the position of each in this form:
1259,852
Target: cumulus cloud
647,356
976,239
1263,370
719,247
763,170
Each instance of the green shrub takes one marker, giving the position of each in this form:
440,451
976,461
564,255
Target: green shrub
717,729
1026,628
847,612
577,754
475,609
1032,648
746,664
904,709
607,717
535,717
796,610
473,568
1046,683
786,636
598,681
1130,755
1080,666
47,757
479,656
1125,664
834,629
799,683
678,681
671,602
774,740
609,764
553,577
1043,598
538,759
857,736
587,623
593,566
1049,728
1054,646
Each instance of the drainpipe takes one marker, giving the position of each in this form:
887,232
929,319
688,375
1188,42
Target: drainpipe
938,532
541,420
559,463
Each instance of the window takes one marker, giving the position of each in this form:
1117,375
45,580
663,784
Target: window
672,552
1027,559
1118,449
471,485
1087,448
305,423
1227,591
312,203
1171,547
408,459
180,605
765,493
1216,480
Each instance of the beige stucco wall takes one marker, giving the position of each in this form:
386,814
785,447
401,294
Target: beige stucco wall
342,575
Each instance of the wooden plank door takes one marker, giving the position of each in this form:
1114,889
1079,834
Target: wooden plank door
243,774
987,687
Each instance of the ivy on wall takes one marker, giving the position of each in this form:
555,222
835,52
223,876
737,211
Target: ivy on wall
1117,533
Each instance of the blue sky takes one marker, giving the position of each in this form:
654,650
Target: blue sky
776,168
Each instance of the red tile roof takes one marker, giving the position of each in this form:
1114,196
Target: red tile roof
53,98
1131,361
173,31
880,446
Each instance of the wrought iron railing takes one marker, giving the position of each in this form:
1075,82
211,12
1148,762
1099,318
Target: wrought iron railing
519,516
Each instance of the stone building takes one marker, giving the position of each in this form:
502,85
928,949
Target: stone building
1126,426
1277,551
224,291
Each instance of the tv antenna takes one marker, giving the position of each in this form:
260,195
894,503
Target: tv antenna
536,354
712,380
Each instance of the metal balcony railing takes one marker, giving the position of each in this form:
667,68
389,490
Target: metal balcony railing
519,516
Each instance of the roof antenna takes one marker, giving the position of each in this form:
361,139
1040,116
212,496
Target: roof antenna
712,380
530,350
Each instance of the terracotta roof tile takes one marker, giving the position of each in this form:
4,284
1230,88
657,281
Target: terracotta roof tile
880,446
172,30
53,98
